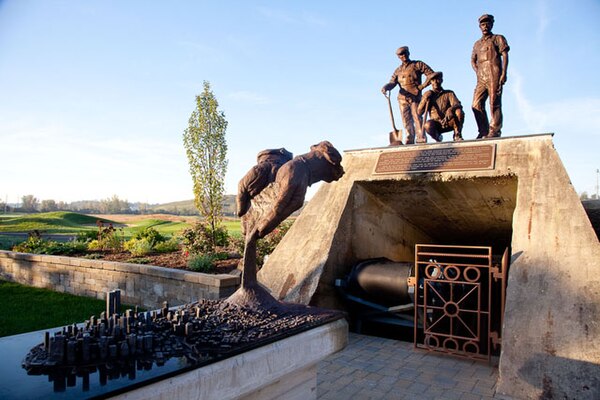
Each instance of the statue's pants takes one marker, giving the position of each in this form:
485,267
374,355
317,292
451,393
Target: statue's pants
483,90
411,118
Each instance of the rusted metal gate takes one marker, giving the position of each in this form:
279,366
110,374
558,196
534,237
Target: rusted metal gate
459,299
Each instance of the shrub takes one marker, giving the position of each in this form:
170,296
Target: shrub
92,256
138,247
202,263
139,260
150,234
34,244
220,256
109,238
66,248
168,246
94,245
237,242
86,236
199,238
266,245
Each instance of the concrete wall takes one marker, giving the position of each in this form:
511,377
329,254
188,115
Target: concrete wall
142,285
551,336
286,369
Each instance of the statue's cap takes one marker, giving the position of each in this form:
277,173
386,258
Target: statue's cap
486,17
437,74
403,49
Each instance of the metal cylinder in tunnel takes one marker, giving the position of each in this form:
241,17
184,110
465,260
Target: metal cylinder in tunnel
382,281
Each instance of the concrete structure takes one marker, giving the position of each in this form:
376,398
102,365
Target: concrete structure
286,369
551,336
143,285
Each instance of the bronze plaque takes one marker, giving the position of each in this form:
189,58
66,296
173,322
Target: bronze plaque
458,158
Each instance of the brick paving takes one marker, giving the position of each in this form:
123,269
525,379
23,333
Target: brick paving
376,368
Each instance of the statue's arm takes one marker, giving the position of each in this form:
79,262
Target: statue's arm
504,67
425,69
454,105
503,49
391,84
423,103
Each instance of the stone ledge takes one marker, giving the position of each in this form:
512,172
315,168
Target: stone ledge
20,256
101,276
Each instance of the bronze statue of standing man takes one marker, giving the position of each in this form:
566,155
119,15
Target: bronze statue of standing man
490,62
408,77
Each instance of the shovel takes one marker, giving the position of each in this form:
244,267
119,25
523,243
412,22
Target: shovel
395,134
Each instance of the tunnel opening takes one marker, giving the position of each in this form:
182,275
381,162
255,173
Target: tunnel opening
391,217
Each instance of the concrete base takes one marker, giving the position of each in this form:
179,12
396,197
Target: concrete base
525,201
286,369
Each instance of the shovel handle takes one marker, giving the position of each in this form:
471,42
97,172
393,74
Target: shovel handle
391,112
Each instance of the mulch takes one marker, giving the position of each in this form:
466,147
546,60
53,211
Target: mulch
177,260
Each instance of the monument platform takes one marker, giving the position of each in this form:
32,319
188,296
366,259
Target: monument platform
511,192
284,368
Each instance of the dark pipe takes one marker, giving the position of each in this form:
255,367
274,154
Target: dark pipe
381,281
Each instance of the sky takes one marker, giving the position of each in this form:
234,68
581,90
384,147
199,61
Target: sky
95,95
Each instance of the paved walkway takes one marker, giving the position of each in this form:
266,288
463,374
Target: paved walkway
376,368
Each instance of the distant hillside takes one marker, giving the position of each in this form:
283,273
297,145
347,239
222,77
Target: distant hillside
186,207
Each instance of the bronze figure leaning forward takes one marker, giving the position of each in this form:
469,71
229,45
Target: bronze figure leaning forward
269,193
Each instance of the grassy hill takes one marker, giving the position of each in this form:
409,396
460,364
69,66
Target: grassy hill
51,222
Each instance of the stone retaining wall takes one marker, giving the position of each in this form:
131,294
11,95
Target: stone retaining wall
144,285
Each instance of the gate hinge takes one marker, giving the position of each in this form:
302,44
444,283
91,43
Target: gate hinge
496,273
411,281
496,339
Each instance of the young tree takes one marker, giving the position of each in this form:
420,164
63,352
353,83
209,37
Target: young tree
114,205
29,203
48,205
206,149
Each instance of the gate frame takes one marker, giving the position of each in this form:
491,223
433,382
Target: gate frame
479,258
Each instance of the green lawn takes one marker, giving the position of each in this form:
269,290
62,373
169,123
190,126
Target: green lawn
233,226
26,309
163,227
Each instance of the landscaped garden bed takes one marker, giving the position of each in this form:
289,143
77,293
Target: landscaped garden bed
181,244
177,260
